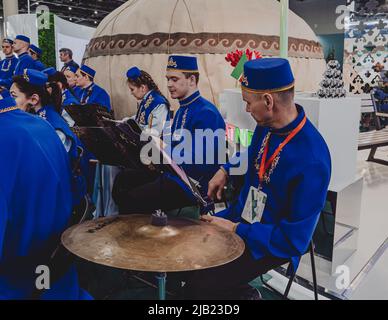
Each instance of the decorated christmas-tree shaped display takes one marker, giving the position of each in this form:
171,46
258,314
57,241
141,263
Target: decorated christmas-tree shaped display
332,86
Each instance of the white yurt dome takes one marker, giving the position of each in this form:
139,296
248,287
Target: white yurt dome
145,32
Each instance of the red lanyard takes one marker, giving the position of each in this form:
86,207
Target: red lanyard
265,165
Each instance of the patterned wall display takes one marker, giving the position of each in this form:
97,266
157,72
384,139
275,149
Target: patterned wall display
366,44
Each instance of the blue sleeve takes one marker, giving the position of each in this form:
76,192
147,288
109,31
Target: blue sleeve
290,237
103,99
3,221
24,64
39,65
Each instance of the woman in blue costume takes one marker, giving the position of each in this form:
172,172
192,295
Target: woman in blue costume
32,95
35,205
154,108
71,77
153,113
68,95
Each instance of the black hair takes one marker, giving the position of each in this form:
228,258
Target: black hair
89,77
37,54
55,98
146,79
61,78
67,51
195,74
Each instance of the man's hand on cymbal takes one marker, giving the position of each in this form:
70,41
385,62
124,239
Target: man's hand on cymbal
217,185
222,223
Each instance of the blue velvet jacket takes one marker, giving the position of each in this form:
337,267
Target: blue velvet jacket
296,193
35,205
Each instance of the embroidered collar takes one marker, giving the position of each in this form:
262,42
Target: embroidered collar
8,109
90,87
188,101
147,100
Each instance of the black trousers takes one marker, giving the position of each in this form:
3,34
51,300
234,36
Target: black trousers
228,282
143,192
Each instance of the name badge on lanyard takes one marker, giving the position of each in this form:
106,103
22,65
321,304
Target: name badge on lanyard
254,206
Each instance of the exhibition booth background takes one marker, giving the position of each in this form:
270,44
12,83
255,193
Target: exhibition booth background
62,34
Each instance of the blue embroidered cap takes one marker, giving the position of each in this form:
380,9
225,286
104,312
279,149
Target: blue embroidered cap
182,64
50,71
72,69
89,71
35,77
9,41
267,75
133,73
35,49
23,38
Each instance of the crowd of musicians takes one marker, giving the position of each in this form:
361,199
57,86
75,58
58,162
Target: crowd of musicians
45,170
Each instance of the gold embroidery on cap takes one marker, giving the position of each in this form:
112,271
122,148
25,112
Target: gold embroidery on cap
244,80
172,63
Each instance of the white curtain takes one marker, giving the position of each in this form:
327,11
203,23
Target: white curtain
73,36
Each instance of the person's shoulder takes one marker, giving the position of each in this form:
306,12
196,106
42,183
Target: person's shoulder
27,57
50,113
313,147
100,89
208,107
157,98
40,63
23,125
205,104
74,64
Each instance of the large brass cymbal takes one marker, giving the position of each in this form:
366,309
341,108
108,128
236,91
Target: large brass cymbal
132,243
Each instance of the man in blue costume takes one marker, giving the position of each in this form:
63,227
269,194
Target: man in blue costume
8,65
139,191
36,54
91,92
284,190
66,56
21,47
35,206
